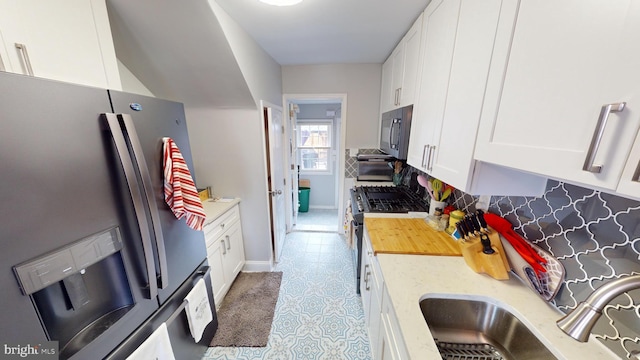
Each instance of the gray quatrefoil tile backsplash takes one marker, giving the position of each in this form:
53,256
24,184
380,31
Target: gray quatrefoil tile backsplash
596,236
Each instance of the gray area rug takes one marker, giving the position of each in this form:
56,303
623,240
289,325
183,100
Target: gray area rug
246,313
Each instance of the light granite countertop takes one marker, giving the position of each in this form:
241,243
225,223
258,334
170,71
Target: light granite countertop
215,208
409,278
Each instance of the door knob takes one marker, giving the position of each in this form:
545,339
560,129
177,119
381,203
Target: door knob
276,192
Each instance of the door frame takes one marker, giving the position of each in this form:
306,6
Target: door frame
321,98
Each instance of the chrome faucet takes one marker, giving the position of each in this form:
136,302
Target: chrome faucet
579,322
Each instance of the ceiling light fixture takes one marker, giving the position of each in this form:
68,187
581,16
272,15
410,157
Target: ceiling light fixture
281,2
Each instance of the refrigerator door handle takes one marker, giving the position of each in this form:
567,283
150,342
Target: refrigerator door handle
136,196
147,186
202,273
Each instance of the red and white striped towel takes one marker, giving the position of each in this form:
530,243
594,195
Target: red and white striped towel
179,189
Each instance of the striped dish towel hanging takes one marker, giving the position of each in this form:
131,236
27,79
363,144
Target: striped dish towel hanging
179,189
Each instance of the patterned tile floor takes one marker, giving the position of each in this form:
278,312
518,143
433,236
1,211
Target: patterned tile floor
318,220
318,314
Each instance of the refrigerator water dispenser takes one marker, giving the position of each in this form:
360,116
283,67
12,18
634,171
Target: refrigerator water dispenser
80,290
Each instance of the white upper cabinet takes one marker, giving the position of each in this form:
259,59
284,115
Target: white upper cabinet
558,73
386,88
412,59
438,41
66,40
457,43
399,72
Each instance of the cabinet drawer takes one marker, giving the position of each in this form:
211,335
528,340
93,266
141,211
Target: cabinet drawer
218,226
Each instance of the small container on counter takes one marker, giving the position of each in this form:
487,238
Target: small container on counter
454,217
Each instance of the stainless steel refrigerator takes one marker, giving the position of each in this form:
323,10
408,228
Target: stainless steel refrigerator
91,256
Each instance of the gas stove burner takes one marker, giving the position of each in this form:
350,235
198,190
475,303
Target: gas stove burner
388,199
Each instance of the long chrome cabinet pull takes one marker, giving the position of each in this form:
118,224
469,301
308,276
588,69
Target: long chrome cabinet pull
432,152
2,68
424,151
228,242
147,186
25,58
636,175
136,196
597,136
224,248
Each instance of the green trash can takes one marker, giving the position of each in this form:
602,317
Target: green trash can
303,199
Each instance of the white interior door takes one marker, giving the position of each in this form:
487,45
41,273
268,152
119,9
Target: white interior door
277,178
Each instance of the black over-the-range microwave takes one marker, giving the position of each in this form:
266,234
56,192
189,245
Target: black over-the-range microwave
394,132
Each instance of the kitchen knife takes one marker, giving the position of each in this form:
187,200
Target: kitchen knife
462,230
468,223
476,223
483,222
486,244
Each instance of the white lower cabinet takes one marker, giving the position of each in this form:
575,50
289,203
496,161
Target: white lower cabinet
384,334
225,251
391,344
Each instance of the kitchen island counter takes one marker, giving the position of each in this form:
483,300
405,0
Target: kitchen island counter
409,278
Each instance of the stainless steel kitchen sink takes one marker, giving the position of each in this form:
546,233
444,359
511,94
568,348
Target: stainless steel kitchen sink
476,329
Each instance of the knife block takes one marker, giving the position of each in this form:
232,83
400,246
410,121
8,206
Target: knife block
495,265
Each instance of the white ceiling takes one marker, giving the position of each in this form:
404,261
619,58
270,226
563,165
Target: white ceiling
326,31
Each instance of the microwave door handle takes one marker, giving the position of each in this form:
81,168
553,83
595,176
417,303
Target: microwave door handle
394,122
147,185
138,204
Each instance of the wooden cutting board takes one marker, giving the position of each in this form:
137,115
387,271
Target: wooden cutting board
409,236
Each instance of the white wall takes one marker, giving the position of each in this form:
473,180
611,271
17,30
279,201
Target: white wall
130,83
228,144
361,83
220,139
261,72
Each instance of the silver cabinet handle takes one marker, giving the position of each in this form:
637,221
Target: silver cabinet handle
366,277
424,151
597,136
428,158
2,68
228,242
431,156
399,96
367,287
25,58
636,175
275,192
224,249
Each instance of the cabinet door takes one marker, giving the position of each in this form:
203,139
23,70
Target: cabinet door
374,322
438,41
397,70
235,248
630,181
60,37
412,60
365,285
218,278
553,70
454,135
386,88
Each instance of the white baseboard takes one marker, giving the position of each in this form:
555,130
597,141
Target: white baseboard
257,266
323,207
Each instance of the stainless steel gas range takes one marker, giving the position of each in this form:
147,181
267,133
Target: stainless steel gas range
379,199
